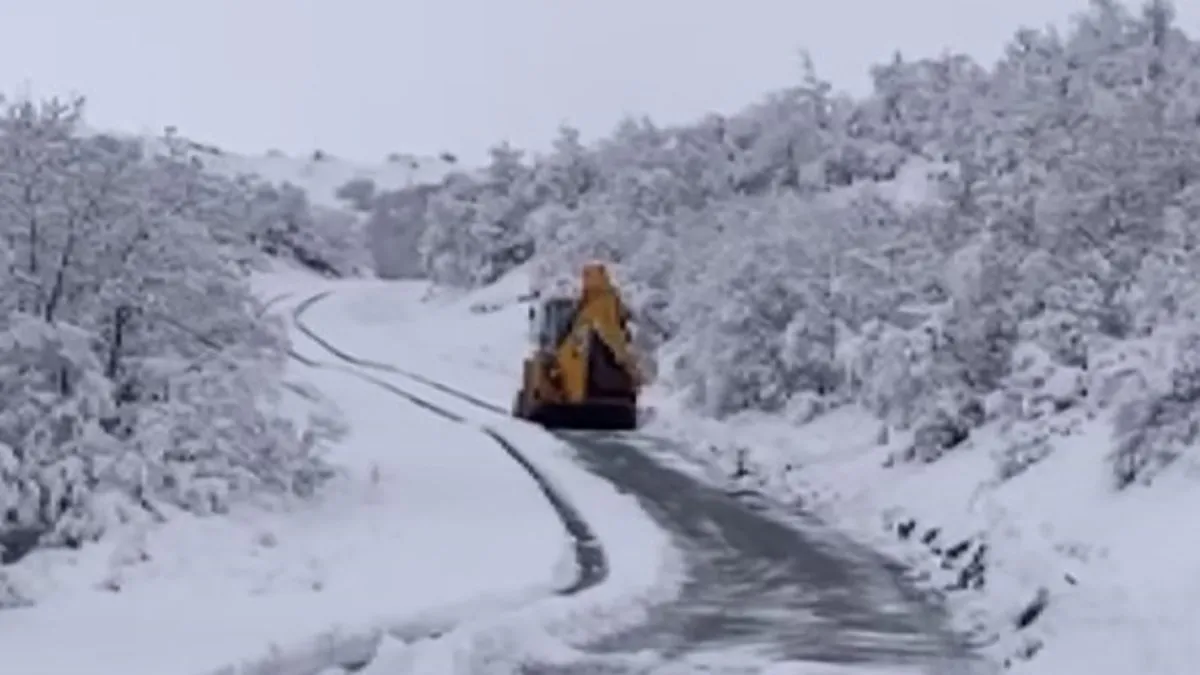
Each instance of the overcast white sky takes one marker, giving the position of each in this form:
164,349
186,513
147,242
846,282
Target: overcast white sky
361,78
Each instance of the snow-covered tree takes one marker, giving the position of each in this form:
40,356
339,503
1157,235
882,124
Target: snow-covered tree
396,222
961,235
137,369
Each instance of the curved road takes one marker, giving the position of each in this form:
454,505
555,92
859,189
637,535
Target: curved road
764,586
760,586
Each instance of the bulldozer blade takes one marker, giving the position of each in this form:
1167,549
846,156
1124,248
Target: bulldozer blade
586,416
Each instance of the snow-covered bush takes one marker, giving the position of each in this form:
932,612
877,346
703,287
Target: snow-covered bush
359,193
284,224
395,224
964,244
773,335
480,222
137,371
1162,425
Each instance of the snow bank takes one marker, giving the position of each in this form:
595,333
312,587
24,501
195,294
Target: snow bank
1048,562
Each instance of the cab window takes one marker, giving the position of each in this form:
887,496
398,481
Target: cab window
554,322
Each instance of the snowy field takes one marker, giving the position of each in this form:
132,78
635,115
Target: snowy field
1049,562
428,522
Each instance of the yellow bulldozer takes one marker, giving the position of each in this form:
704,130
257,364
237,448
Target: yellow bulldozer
582,373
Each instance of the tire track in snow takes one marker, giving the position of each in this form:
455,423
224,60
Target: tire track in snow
352,653
591,561
298,320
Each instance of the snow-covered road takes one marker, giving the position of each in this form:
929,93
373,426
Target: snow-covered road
759,596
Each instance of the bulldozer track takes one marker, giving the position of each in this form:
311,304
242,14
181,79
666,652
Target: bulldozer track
590,559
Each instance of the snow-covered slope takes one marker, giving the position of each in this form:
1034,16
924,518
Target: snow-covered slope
318,174
321,176
1046,562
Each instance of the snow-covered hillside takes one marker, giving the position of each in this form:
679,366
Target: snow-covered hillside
1018,530
318,174
962,311
958,318
382,228
1036,558
321,176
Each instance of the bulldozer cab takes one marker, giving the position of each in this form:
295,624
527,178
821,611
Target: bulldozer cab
551,321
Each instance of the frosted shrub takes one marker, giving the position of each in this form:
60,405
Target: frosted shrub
1153,431
946,425
903,378
1125,371
1061,334
1149,435
749,353
736,370
137,368
1039,385
51,443
805,406
1021,454
216,438
975,346
480,222
893,368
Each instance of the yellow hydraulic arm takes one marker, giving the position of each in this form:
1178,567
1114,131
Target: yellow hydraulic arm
585,369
